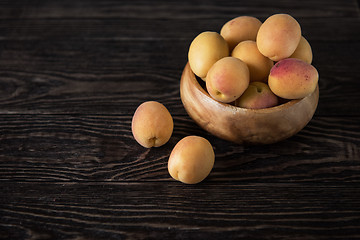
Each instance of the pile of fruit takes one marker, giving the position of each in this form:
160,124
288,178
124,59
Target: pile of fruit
249,64
255,65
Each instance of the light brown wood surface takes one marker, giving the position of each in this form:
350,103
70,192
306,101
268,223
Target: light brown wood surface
241,125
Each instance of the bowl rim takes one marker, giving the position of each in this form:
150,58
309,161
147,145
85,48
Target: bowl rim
287,104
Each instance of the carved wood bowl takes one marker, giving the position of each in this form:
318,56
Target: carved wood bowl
245,126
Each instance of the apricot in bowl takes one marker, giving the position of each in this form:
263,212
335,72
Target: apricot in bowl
242,125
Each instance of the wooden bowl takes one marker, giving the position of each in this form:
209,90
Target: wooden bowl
240,125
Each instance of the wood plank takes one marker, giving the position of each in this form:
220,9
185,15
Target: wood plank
101,148
159,211
173,9
325,29
109,77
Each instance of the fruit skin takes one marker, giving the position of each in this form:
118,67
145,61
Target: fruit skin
278,36
303,51
240,29
293,78
259,65
152,124
191,160
205,50
227,79
257,96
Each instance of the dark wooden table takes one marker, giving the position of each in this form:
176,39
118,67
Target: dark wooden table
71,76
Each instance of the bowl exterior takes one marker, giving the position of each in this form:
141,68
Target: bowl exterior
240,125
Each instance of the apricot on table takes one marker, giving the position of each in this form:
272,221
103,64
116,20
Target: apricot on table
257,96
259,65
293,78
240,29
191,160
227,79
278,36
205,50
152,124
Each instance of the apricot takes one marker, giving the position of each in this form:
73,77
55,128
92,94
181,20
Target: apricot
152,124
205,50
240,29
227,79
303,51
293,78
191,160
259,65
278,36
257,96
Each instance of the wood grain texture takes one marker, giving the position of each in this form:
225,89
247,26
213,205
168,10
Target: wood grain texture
244,126
205,211
118,53
72,74
115,51
41,77
314,29
172,9
102,148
